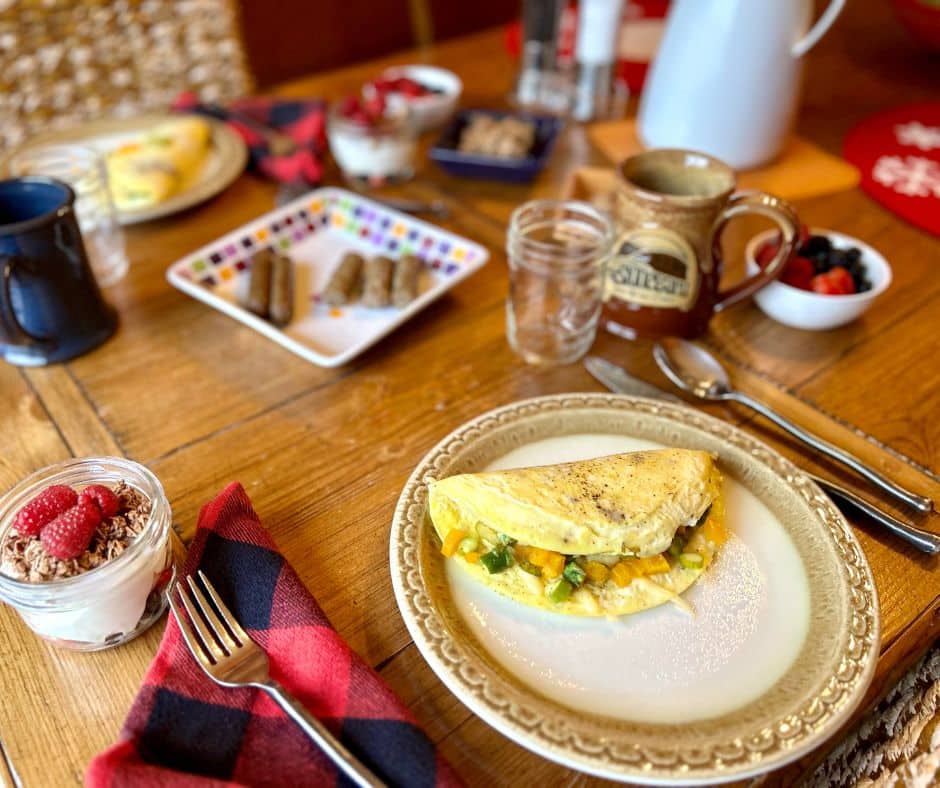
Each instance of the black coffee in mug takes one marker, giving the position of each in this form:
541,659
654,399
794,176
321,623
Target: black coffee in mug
50,307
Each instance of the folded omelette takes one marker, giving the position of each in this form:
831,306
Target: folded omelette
602,537
149,170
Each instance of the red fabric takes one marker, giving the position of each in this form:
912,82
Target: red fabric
303,121
898,155
185,730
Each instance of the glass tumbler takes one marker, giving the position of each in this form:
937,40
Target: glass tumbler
84,170
557,252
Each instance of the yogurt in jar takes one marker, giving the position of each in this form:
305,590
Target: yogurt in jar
384,151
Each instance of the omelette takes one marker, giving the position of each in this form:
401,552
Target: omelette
147,171
602,537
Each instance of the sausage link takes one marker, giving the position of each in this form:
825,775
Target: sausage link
339,290
405,282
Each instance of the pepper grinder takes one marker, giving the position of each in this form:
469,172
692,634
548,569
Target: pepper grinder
595,55
539,84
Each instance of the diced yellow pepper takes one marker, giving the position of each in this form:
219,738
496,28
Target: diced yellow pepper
652,565
551,563
453,538
555,565
714,529
596,572
472,557
623,573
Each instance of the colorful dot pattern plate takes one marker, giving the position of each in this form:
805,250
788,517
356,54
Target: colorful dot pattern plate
316,231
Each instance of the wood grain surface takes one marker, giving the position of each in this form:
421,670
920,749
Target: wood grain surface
203,400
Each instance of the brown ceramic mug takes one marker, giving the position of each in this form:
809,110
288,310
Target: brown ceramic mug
663,275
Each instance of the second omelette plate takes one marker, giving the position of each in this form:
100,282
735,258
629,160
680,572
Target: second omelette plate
778,653
224,162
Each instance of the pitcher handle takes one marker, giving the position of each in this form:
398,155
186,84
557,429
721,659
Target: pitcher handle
10,327
773,208
817,31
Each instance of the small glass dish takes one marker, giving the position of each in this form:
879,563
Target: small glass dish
373,155
112,603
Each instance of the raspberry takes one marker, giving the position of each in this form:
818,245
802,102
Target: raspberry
104,498
44,508
68,535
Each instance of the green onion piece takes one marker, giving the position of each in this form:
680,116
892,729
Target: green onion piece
506,540
574,574
468,545
688,561
532,569
704,517
497,560
559,590
675,549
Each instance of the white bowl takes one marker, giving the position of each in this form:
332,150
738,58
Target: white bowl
427,112
814,311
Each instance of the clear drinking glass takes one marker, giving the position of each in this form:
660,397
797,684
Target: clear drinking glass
83,169
557,253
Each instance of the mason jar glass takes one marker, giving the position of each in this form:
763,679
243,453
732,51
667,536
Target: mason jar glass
114,602
557,252
84,170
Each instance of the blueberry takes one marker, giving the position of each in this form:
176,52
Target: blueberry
837,257
854,254
816,244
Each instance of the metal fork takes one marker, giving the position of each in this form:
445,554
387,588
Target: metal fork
231,658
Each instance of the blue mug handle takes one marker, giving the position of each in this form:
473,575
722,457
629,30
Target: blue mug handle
9,325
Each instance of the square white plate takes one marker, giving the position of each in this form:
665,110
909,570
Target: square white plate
315,231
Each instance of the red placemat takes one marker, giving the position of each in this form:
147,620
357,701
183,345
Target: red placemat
898,154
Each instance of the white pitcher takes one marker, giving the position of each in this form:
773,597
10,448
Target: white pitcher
726,79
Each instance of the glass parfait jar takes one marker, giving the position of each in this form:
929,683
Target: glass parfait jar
557,253
114,602
374,155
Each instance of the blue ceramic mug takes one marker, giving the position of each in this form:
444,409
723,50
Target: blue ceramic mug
50,307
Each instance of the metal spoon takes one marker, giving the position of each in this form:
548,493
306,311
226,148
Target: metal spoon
695,370
619,380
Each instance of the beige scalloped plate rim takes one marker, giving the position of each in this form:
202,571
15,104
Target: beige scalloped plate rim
229,155
811,701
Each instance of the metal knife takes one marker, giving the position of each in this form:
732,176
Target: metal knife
620,381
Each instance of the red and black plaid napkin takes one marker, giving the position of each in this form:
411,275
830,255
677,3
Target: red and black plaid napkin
303,121
185,730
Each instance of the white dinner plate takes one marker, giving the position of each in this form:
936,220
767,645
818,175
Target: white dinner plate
778,652
224,162
316,231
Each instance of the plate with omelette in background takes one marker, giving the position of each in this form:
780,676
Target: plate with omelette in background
159,164
751,626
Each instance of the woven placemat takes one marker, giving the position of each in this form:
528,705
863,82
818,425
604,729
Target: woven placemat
898,742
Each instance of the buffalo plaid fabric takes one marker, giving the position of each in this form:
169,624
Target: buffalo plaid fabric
303,121
185,730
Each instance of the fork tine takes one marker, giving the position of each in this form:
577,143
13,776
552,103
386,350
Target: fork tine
211,646
226,614
196,646
218,628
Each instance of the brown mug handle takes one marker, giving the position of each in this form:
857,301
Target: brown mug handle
773,208
10,327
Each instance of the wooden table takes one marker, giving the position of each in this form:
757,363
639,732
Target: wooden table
324,452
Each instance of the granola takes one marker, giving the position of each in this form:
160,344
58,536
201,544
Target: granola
24,558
